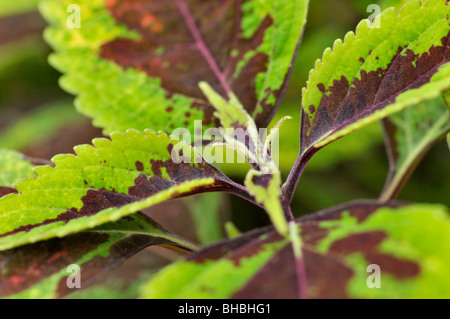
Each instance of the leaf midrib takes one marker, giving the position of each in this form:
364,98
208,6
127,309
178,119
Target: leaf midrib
201,44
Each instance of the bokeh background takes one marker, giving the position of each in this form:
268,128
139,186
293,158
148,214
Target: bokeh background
38,118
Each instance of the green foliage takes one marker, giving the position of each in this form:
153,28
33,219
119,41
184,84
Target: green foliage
263,180
393,3
267,192
208,228
162,65
17,6
209,279
382,68
357,82
94,252
40,125
339,245
410,134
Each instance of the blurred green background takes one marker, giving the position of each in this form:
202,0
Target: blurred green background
38,118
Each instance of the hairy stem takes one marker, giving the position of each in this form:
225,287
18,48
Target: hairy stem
287,211
296,172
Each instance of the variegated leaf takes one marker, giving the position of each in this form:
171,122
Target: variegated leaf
342,248
103,183
147,57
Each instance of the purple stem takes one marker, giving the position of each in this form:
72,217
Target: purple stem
291,183
287,211
201,45
299,261
302,281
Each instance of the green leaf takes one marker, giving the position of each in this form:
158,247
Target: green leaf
373,73
210,277
377,72
116,286
446,97
338,246
237,127
229,110
409,135
14,167
104,183
393,3
41,270
137,64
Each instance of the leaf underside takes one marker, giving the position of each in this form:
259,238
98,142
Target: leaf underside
9,8
376,72
147,57
338,246
147,60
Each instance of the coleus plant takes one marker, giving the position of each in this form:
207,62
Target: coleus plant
143,66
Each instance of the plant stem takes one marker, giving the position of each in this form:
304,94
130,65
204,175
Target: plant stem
201,44
296,172
302,281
